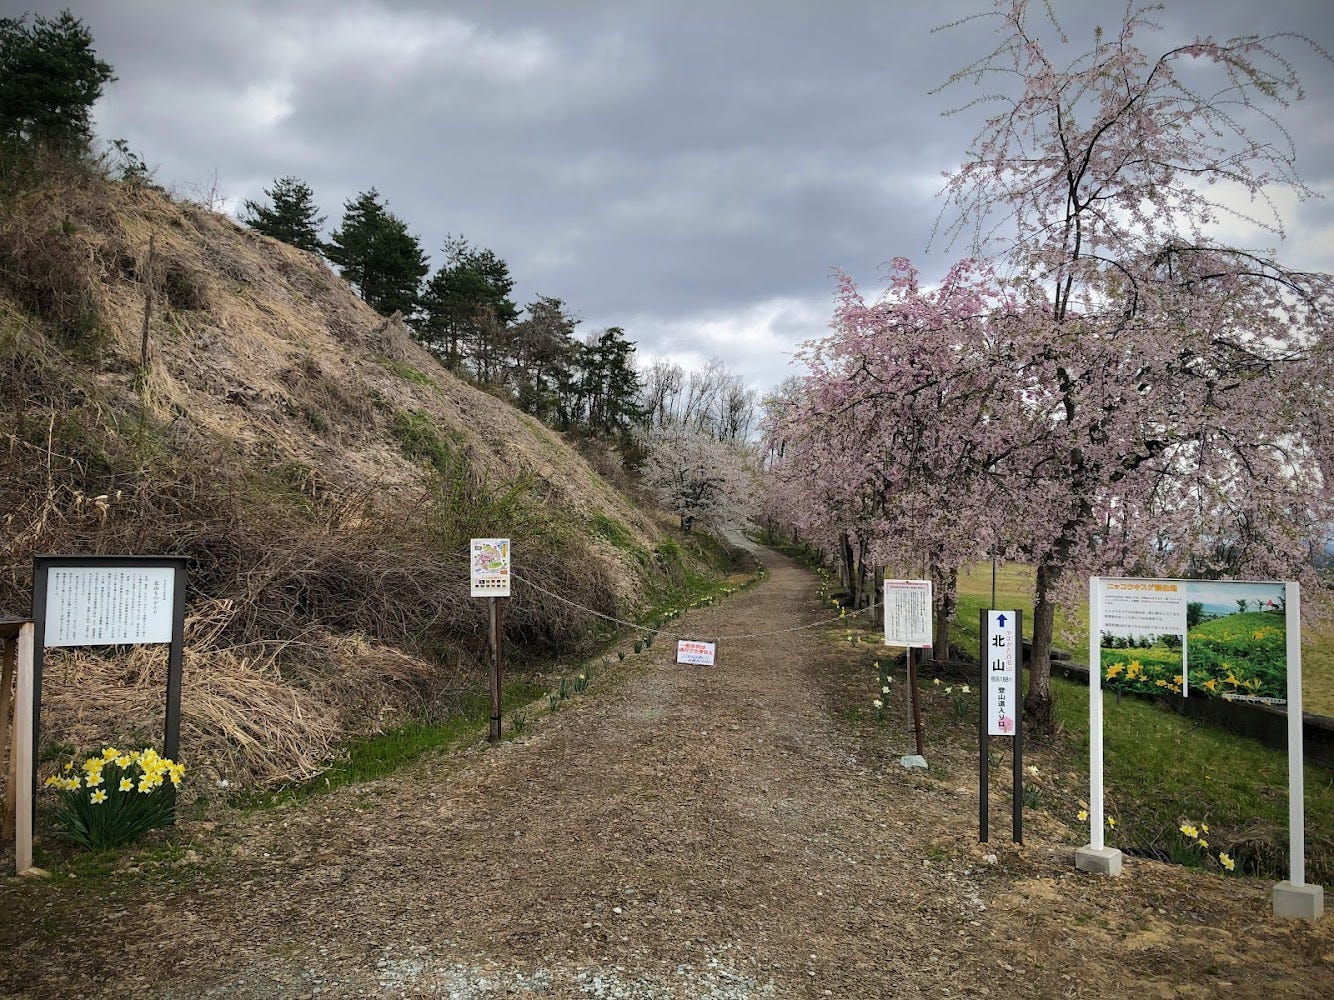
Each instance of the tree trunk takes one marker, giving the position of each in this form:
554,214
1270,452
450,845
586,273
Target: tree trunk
945,608
1037,702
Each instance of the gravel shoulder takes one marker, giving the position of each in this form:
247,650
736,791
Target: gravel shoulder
680,832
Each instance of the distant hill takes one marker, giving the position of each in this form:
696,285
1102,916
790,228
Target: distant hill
320,470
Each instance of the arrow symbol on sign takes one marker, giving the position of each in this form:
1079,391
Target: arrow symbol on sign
1000,620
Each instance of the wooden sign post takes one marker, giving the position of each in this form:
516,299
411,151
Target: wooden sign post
17,636
908,624
110,601
490,578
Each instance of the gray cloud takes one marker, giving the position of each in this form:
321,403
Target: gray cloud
690,171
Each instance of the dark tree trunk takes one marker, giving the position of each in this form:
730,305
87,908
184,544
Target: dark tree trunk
1037,702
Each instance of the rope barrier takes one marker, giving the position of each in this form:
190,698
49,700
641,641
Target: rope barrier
681,635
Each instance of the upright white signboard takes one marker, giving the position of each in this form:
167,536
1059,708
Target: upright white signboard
1002,673
490,575
109,605
908,613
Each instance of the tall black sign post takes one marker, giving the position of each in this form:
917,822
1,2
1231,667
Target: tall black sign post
110,601
1000,658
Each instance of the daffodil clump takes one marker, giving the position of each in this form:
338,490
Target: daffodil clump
115,798
1196,833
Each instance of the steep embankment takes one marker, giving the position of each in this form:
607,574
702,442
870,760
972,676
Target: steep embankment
318,467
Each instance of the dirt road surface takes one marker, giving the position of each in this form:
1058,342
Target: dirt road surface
679,832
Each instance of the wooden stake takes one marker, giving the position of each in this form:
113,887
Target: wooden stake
148,304
916,703
493,733
24,772
6,750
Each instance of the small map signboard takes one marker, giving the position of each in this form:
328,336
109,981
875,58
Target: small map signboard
696,651
908,613
490,575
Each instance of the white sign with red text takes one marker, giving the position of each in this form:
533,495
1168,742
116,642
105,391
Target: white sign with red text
696,651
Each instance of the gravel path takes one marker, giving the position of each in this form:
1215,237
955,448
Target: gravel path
684,832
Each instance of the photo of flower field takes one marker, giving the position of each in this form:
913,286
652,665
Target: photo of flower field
1235,647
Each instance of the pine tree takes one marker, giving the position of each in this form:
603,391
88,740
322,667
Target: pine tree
50,78
375,252
293,217
467,302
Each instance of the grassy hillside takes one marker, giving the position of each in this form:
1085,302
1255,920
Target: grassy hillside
322,473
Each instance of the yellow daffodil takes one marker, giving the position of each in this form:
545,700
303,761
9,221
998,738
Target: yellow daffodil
94,779
1204,827
1203,843
69,766
1111,821
110,753
1226,861
1189,830
123,761
126,784
98,797
1083,815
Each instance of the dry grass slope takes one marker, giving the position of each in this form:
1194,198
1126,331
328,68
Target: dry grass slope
321,471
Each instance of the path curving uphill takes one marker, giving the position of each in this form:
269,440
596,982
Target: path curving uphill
687,832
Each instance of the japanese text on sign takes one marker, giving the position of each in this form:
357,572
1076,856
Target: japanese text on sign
490,572
908,613
696,651
1002,672
108,605
1149,606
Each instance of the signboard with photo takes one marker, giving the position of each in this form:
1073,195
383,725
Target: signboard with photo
1196,638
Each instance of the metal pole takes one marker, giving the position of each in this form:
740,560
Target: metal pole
1296,780
1019,731
171,739
493,733
916,704
983,758
1095,714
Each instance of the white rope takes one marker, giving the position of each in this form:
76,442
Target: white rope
682,635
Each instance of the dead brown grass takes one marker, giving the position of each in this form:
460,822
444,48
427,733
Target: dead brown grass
327,562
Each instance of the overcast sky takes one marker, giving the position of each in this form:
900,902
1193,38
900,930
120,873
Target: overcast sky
690,171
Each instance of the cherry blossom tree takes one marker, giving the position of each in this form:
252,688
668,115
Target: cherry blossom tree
1176,387
898,429
700,478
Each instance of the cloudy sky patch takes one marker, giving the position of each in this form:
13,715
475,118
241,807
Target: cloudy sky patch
691,171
